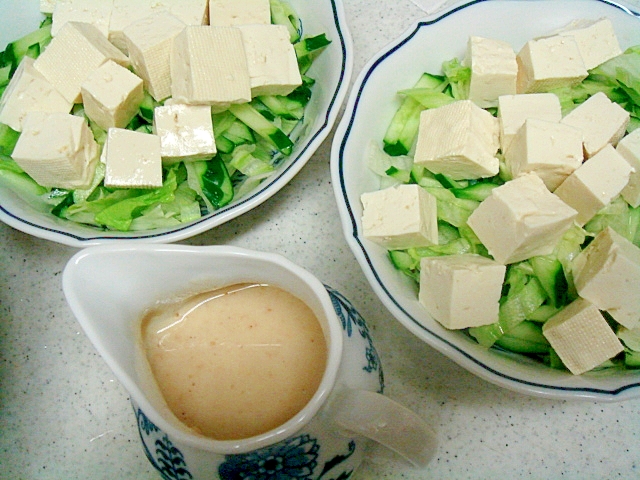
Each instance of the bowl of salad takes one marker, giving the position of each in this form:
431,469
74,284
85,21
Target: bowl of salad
471,227
182,161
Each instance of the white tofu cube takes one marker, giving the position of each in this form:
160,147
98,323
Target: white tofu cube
271,59
228,13
112,95
581,337
513,110
209,67
29,91
132,159
607,273
629,148
550,149
461,291
125,12
57,150
95,12
596,40
460,140
47,6
595,183
494,70
549,62
149,42
601,121
521,219
401,216
77,50
185,131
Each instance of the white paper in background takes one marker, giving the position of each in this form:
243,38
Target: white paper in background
433,6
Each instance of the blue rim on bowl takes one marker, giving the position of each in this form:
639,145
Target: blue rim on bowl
434,40
329,94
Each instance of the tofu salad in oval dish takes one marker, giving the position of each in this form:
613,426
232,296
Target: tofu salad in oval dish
111,127
485,171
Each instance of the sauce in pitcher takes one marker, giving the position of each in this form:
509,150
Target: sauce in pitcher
235,362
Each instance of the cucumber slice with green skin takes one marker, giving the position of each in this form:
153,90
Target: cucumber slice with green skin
147,107
477,191
519,303
8,139
211,180
283,14
308,49
283,106
526,337
403,127
428,97
632,358
263,127
223,145
550,274
16,50
402,260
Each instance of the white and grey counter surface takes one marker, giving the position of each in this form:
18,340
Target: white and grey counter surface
63,415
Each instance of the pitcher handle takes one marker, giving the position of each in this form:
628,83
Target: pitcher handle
385,421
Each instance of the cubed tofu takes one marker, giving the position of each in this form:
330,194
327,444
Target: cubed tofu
461,291
596,40
57,150
401,216
549,62
185,131
494,70
95,12
228,13
29,91
209,67
521,219
125,12
601,122
132,159
595,183
77,50
459,140
513,110
607,273
112,95
550,149
581,337
271,59
47,6
629,148
149,42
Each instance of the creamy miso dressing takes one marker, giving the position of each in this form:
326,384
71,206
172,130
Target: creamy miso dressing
235,362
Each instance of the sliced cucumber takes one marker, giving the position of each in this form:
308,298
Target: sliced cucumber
402,131
308,49
26,45
263,127
526,337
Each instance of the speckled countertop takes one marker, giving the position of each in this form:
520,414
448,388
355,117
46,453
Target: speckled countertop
64,416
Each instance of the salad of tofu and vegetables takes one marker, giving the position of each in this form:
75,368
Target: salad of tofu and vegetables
142,115
510,193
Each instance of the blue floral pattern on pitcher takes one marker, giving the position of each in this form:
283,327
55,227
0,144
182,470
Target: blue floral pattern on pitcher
163,455
349,317
292,459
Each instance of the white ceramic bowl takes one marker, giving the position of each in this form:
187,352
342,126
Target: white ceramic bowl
332,72
423,48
